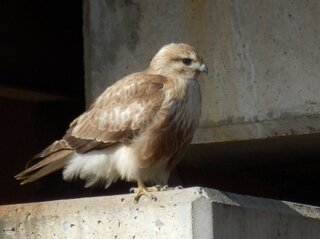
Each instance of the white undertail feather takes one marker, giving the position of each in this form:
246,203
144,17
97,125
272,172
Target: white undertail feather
100,166
107,166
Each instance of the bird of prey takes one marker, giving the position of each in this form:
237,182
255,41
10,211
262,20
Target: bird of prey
137,130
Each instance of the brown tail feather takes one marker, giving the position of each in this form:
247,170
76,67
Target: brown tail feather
45,170
56,146
51,163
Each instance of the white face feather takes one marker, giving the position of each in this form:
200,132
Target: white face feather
177,61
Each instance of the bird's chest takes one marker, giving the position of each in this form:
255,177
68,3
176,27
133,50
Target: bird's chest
166,139
185,109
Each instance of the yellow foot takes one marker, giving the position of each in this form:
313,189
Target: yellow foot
142,190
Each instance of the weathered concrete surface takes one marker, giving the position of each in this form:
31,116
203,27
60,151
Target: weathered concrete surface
188,213
263,58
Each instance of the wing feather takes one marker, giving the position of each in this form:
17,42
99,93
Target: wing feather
119,114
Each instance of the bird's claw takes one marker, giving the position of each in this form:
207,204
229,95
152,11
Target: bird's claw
140,191
138,196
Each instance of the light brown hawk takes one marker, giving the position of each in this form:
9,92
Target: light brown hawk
137,129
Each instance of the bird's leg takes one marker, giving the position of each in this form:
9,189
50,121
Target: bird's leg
143,190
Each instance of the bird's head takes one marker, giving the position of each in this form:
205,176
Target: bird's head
178,60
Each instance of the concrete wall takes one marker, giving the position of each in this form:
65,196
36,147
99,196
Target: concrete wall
263,58
189,213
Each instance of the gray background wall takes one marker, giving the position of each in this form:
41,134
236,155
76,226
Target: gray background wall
259,131
263,58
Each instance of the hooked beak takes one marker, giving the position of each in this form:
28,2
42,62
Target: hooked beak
203,68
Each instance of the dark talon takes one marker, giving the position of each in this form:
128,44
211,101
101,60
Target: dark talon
136,200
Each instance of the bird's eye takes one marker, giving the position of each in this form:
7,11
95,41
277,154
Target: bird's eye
186,61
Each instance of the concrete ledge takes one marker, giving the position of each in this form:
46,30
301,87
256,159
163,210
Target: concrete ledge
188,213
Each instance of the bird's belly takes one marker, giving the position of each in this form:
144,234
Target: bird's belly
110,164
129,168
